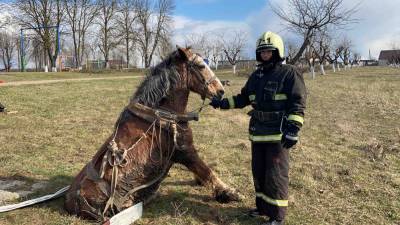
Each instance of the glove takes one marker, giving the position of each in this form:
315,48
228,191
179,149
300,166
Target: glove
290,137
223,104
215,103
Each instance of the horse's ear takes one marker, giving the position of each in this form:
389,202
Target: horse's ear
183,53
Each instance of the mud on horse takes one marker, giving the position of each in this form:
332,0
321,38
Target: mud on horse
151,134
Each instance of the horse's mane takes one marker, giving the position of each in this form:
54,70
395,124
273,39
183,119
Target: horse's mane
159,80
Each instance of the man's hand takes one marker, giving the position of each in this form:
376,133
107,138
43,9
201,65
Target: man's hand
289,141
223,103
215,103
290,137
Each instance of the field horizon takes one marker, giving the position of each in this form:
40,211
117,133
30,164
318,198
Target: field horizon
345,169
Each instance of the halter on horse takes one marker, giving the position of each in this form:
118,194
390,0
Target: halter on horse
151,134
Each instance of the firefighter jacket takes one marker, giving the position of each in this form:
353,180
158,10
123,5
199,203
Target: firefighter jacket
277,94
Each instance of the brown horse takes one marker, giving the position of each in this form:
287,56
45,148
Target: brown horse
151,134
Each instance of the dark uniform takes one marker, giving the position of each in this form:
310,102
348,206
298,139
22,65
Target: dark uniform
277,94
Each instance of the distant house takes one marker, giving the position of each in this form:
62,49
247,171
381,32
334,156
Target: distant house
101,64
369,62
117,63
388,57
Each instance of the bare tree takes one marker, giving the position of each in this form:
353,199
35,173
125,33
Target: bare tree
165,47
216,52
321,49
309,55
6,18
125,21
200,42
106,21
154,19
233,44
305,17
80,15
394,59
40,15
208,45
355,59
394,43
7,47
292,49
333,56
344,47
37,51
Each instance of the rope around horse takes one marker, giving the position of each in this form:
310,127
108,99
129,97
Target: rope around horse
62,191
113,147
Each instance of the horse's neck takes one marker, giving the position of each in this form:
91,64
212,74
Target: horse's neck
176,101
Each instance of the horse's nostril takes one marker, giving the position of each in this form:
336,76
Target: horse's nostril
221,93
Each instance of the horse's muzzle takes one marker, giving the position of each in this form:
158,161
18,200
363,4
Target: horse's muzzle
220,94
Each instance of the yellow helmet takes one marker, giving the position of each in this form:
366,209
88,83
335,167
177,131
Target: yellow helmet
271,41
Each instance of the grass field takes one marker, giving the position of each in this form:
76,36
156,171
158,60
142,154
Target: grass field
32,76
345,170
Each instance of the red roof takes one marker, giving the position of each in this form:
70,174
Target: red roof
389,54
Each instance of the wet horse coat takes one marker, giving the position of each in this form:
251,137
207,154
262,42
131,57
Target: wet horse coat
133,161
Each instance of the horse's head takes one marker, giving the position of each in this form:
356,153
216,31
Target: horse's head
201,79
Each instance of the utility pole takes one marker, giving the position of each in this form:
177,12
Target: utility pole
369,52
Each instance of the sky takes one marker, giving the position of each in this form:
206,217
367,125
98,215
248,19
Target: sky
377,28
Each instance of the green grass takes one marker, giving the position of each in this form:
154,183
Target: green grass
345,170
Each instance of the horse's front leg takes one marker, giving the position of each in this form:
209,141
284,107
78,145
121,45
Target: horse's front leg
221,191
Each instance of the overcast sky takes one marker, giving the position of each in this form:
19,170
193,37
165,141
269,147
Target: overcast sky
377,28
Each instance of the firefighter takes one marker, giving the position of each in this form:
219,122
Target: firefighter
277,94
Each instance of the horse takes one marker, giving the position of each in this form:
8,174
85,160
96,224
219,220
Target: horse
151,134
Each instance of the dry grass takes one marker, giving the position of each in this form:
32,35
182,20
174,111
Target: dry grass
31,76
345,170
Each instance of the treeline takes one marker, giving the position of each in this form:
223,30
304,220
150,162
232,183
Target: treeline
89,27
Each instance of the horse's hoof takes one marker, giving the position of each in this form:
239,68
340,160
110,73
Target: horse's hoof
227,195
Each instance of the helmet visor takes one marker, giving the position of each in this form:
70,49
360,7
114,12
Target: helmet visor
265,47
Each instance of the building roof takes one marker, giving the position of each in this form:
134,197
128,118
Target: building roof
389,54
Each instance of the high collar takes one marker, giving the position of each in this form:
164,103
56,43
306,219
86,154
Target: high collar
267,65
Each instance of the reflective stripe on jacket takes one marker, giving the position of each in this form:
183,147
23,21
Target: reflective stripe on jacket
272,88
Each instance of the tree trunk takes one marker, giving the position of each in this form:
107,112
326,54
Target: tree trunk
234,69
127,52
82,51
52,61
322,70
334,67
76,53
4,61
302,48
146,61
312,70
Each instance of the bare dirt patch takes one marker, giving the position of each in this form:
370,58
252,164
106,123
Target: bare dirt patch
14,189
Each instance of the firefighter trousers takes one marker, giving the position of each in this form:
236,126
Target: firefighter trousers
270,166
